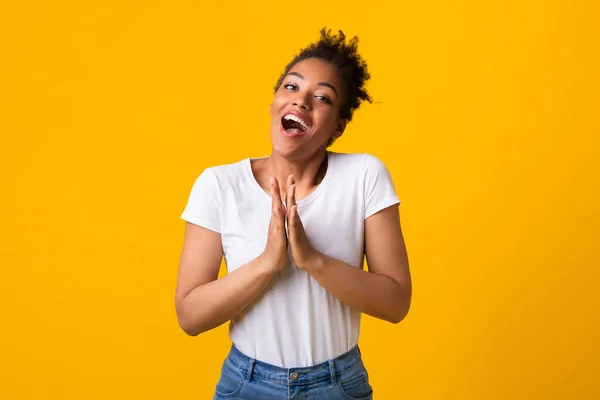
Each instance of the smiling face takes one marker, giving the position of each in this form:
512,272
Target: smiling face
305,112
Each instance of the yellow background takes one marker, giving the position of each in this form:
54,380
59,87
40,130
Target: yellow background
486,113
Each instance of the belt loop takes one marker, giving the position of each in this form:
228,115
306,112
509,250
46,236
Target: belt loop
332,372
250,370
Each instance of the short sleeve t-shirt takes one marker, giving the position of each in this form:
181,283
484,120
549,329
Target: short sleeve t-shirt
295,322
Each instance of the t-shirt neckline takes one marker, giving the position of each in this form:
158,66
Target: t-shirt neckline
313,195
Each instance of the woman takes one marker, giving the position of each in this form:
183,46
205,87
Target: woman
294,228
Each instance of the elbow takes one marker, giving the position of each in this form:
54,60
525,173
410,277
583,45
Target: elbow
192,332
189,329
400,312
398,316
186,323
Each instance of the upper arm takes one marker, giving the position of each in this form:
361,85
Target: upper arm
200,259
384,243
202,250
385,248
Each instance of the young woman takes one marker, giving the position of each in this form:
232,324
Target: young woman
294,229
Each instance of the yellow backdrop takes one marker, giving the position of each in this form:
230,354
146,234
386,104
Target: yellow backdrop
486,113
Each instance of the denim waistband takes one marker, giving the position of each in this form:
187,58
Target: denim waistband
328,370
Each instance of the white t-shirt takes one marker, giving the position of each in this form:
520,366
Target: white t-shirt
295,322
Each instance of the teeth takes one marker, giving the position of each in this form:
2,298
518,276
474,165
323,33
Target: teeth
298,120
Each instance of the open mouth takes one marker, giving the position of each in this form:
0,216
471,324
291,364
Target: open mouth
294,125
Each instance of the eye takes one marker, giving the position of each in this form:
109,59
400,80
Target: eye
323,99
290,86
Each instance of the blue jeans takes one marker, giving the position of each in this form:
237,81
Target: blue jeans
343,378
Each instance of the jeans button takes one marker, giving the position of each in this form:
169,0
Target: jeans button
294,376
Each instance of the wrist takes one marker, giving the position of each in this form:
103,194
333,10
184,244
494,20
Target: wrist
316,264
265,266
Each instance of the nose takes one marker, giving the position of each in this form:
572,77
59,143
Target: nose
302,100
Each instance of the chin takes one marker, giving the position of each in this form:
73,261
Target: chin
286,150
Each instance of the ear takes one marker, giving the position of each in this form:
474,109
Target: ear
340,128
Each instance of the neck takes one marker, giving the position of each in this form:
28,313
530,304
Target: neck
308,172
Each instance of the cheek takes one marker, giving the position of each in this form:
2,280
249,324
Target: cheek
328,120
275,107
279,98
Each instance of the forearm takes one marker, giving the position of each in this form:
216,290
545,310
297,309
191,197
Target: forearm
373,294
214,303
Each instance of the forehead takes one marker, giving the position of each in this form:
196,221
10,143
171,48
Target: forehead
316,70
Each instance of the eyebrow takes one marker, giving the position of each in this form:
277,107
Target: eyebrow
329,85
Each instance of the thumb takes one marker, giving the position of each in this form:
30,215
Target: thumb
293,224
293,216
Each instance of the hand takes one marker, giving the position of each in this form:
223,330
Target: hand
303,253
275,252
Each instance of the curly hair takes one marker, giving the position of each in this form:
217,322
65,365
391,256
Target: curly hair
334,49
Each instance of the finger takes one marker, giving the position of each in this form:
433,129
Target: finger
276,208
296,231
273,197
272,188
292,235
290,181
291,192
294,220
277,192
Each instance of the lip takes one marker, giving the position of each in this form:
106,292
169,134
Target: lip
290,135
298,115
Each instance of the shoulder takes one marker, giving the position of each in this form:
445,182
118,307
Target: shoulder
229,169
223,172
215,180
362,171
359,161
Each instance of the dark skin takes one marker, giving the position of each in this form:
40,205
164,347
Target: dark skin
314,89
294,169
